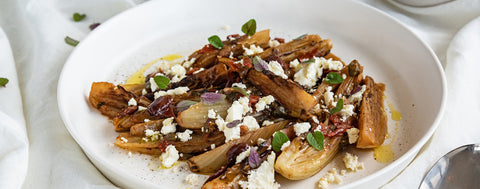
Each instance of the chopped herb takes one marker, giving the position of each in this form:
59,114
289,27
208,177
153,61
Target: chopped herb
333,78
94,25
233,124
259,64
250,27
161,81
316,140
3,81
254,158
77,17
71,41
211,98
215,41
338,107
278,139
241,91
308,61
300,37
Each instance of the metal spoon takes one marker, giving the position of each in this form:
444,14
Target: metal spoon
459,168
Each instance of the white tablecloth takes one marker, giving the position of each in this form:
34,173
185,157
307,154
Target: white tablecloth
37,151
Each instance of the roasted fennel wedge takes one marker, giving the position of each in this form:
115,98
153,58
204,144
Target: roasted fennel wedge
300,160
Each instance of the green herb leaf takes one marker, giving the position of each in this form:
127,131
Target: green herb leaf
316,140
338,107
161,81
77,17
308,61
300,37
333,78
250,27
278,139
215,41
241,91
71,41
3,81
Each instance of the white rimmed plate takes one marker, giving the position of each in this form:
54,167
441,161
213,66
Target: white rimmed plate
389,52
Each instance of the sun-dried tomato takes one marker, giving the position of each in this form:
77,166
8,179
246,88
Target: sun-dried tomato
247,62
162,145
207,49
162,107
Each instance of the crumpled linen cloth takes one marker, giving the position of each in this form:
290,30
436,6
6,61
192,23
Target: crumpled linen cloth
38,152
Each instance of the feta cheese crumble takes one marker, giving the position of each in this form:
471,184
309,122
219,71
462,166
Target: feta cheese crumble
277,69
264,102
192,179
357,97
151,135
351,162
240,157
168,126
212,114
309,73
252,50
263,177
251,123
301,128
239,85
273,43
329,178
173,92
170,156
188,63
141,108
346,111
352,135
267,122
177,71
185,136
132,102
123,139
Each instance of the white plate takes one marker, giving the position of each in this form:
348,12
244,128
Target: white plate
390,53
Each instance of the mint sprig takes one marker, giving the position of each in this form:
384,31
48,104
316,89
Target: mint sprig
338,107
161,81
278,139
250,27
215,41
315,139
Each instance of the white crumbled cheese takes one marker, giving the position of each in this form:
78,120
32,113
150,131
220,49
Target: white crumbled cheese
153,84
144,92
277,69
314,118
151,135
212,114
344,76
328,97
264,102
295,64
141,108
244,101
330,64
260,141
212,146
242,155
173,92
252,50
357,97
352,135
198,71
331,177
346,111
273,43
221,124
263,177
123,139
226,27
235,112
132,102
239,85
351,162
146,120
231,55
192,179
301,128
231,133
188,63
170,156
267,122
251,123
238,62
308,74
177,71
185,136
168,126
285,145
